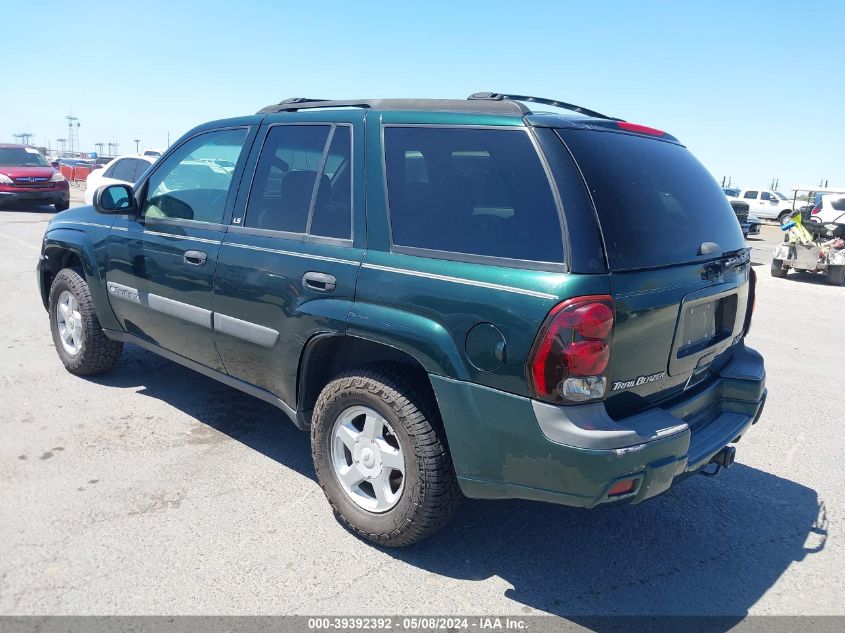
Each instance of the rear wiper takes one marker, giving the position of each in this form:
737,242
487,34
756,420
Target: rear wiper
728,261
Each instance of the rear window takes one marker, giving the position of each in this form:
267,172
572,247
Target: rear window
656,203
474,191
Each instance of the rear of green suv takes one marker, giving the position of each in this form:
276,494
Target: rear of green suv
454,297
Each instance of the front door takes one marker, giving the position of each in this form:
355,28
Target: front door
161,263
288,265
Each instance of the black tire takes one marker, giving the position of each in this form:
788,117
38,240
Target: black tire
836,275
430,492
97,353
61,206
778,270
784,216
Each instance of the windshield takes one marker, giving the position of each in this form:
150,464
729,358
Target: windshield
780,195
22,157
656,203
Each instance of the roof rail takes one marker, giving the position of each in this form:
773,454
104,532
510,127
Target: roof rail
303,103
498,96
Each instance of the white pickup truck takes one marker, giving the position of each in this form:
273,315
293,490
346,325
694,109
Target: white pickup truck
764,203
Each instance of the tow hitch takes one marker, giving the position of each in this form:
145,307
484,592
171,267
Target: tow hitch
723,459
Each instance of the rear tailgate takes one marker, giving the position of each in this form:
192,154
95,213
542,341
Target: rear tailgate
677,258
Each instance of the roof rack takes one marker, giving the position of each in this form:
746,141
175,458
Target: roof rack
447,105
302,103
498,96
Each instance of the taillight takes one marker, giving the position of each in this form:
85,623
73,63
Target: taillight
816,209
570,359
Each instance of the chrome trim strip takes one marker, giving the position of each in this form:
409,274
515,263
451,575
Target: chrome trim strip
245,330
183,311
80,223
277,251
183,237
467,282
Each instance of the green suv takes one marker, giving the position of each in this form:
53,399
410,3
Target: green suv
454,297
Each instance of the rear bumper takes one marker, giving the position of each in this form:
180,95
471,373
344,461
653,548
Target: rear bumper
507,446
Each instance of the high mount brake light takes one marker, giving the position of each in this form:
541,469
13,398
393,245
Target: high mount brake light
640,129
570,359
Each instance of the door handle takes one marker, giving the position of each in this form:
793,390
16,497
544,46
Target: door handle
195,258
321,282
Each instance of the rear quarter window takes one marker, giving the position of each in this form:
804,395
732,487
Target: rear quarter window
473,191
655,202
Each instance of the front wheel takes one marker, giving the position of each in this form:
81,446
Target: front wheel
77,333
836,275
61,206
381,457
783,217
778,270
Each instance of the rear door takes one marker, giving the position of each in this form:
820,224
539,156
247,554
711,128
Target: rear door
288,266
679,266
161,263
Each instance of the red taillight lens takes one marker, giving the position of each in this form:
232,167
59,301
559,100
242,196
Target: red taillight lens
640,129
571,355
816,209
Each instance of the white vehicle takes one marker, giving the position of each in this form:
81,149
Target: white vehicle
764,203
122,170
829,209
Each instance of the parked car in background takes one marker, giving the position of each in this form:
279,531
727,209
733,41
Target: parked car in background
429,311
750,223
121,170
830,208
26,176
766,203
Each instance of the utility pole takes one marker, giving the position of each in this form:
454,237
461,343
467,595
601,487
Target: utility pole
137,140
72,131
23,137
723,182
99,145
61,144
113,149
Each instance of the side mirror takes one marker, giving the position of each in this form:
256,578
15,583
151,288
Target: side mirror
115,200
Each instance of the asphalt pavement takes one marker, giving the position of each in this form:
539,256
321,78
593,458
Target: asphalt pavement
155,490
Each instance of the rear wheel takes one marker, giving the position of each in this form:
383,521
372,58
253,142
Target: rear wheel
783,217
836,275
381,456
62,206
77,333
778,270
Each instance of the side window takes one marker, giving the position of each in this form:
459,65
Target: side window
285,178
332,215
124,169
750,195
765,195
193,182
474,191
140,167
108,173
300,184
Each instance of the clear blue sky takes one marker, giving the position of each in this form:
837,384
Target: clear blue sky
755,89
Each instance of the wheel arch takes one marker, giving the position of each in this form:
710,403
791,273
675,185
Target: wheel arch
327,355
65,248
